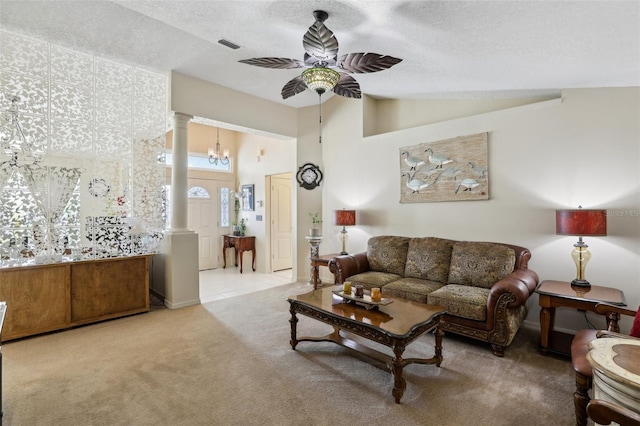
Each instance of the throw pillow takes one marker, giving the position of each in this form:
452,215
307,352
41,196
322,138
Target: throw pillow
480,264
428,258
635,328
387,253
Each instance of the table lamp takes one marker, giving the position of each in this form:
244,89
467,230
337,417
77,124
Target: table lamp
581,222
344,218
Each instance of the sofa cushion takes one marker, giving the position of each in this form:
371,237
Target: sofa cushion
411,289
480,264
429,258
462,301
371,279
387,254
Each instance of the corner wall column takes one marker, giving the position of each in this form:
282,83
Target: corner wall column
180,251
180,172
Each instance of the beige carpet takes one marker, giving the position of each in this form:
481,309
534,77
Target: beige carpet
229,363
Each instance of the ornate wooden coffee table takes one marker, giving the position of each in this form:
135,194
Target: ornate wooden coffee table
394,325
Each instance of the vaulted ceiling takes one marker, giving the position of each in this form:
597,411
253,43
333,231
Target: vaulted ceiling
450,49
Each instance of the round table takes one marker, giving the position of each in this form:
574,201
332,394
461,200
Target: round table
616,371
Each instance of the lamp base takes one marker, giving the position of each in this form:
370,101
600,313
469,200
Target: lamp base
342,253
580,283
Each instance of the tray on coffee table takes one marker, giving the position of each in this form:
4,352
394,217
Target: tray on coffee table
365,300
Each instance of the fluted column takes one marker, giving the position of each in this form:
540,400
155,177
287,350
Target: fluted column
179,173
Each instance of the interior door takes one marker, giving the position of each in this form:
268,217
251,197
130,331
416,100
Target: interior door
202,219
281,223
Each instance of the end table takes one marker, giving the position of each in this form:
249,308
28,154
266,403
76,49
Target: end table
554,294
316,262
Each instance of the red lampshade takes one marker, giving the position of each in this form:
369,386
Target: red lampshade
344,217
581,222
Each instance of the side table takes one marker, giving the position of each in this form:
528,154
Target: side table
316,262
616,371
240,244
554,294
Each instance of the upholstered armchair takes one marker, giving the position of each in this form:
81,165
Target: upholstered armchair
580,348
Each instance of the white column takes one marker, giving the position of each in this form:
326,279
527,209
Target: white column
179,172
177,265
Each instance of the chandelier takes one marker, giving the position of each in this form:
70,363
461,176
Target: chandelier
214,154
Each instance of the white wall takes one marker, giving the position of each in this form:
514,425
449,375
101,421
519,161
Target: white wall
308,200
279,157
583,149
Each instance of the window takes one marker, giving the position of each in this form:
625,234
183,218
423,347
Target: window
196,161
224,207
198,192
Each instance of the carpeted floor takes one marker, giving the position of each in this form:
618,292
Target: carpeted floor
229,362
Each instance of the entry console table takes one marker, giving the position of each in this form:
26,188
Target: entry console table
240,245
554,294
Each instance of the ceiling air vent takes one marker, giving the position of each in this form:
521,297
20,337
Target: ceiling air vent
229,44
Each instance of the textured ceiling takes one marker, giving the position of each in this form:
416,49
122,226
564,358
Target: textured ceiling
497,49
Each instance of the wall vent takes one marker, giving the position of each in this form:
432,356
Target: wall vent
229,44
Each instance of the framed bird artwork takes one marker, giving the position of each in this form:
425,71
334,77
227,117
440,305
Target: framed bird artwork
447,170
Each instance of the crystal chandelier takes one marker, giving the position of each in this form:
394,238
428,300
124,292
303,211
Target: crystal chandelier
214,154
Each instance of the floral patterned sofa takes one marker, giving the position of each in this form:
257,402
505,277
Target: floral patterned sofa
483,286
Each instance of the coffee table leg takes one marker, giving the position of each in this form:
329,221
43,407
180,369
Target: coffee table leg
399,384
293,321
439,335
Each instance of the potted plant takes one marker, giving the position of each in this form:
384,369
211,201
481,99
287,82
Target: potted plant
315,230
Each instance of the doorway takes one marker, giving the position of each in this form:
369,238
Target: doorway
281,222
204,219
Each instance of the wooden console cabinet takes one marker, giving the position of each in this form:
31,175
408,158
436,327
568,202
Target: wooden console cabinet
43,298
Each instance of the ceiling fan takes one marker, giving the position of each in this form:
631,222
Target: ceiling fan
325,70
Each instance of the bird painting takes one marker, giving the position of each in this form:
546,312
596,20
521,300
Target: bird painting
448,174
427,170
467,184
454,169
438,159
477,170
411,161
415,185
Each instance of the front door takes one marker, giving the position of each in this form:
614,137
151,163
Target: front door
202,219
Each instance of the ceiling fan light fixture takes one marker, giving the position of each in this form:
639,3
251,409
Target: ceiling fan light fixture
320,79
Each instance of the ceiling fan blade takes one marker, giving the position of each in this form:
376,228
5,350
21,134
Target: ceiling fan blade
348,87
320,42
274,63
293,87
366,62
312,61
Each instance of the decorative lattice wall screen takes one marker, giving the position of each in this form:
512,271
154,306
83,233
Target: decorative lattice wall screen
81,154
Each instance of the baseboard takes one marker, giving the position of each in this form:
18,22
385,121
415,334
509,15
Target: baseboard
535,326
184,304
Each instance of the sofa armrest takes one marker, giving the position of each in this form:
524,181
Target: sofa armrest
520,283
347,265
